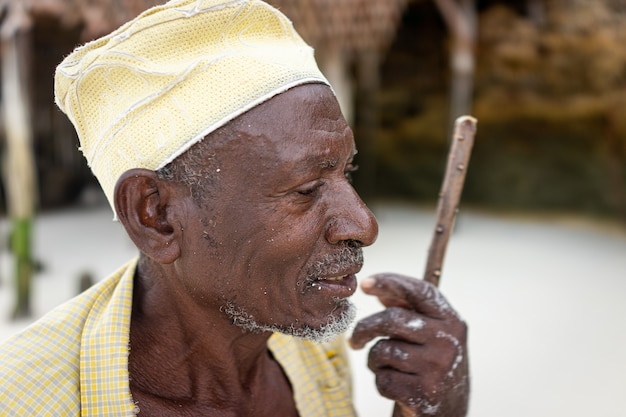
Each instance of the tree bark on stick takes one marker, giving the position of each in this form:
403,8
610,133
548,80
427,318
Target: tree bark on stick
450,195
19,164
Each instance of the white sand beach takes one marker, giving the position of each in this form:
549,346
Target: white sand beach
545,300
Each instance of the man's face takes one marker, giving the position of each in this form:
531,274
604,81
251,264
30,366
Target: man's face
277,244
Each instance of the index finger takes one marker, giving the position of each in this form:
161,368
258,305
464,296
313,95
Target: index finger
394,290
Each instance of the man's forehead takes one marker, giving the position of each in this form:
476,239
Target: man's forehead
315,97
315,152
301,149
310,107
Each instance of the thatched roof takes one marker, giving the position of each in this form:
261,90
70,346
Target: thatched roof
353,25
95,17
350,25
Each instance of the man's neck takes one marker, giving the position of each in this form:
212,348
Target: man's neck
183,356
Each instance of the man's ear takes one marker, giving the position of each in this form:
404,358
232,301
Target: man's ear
141,204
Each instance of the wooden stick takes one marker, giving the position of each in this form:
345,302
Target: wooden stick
450,195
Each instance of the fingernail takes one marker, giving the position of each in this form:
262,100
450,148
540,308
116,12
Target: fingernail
368,283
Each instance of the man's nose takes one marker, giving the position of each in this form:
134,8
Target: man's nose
352,220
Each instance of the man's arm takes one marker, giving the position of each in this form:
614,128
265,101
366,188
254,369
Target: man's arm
421,362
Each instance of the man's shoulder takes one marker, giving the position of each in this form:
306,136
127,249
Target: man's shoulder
41,364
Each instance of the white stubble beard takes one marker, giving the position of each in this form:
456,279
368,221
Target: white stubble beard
335,326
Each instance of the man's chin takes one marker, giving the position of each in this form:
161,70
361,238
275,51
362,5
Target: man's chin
335,326
336,323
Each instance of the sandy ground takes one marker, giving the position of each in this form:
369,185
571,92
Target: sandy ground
545,300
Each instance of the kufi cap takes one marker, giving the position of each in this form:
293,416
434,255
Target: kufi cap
142,95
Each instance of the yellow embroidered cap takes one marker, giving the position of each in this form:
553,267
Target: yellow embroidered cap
142,95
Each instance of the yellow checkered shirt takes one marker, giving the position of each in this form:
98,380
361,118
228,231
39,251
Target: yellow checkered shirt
74,361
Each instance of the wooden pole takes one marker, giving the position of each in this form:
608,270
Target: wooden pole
460,18
450,195
335,65
19,170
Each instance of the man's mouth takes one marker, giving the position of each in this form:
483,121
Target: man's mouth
334,275
339,278
340,286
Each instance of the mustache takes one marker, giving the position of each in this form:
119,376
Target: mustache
348,257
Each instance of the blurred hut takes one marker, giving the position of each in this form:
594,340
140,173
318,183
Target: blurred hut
548,88
39,143
53,28
350,37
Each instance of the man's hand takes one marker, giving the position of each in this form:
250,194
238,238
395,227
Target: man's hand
421,362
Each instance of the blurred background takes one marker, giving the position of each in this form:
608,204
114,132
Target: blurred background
545,78
545,193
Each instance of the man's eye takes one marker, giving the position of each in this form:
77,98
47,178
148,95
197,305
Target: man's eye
311,190
350,169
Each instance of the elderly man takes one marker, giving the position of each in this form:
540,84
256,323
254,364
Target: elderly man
224,153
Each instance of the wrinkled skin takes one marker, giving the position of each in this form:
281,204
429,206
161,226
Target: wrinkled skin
280,203
421,361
